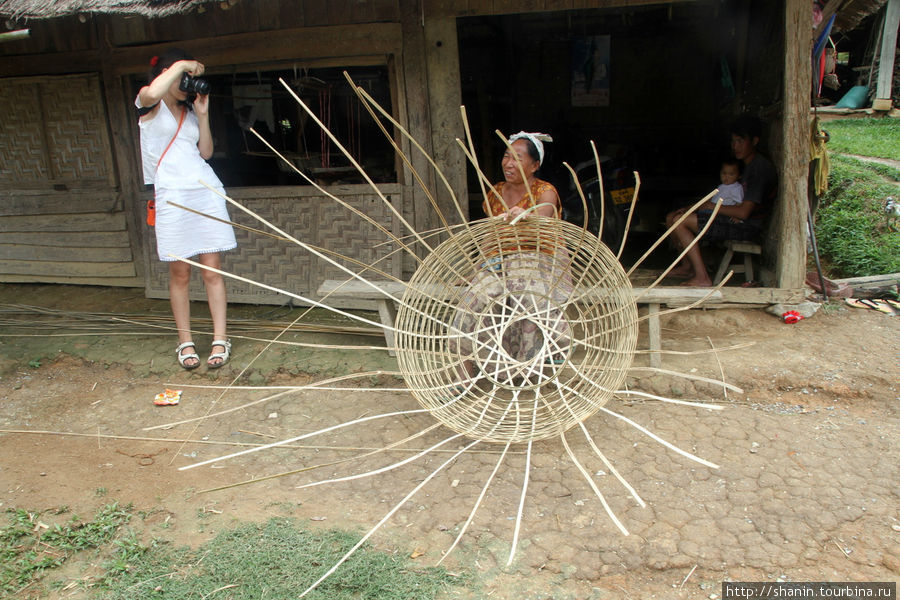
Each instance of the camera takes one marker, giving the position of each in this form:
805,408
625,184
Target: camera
193,85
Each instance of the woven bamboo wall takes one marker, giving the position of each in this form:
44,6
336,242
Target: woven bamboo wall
309,216
61,214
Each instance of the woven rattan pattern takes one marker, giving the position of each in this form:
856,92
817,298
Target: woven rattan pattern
468,306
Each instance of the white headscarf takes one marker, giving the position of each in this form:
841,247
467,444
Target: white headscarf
535,138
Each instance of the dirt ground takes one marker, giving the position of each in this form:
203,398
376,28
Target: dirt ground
806,489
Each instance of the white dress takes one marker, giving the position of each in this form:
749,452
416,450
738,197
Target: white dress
179,180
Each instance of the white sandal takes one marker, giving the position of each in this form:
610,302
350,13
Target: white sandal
183,357
223,355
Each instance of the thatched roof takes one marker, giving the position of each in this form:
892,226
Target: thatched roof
44,9
852,12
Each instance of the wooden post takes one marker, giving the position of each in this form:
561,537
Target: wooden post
415,89
653,331
445,97
886,60
123,138
789,218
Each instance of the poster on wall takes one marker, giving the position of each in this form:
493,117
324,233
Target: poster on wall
590,70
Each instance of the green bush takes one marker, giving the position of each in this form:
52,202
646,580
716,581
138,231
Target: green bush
852,230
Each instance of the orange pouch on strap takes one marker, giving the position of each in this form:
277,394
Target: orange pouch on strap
151,212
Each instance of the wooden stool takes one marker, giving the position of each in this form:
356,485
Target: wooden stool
748,249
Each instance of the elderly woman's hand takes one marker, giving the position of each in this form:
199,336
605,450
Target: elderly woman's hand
512,213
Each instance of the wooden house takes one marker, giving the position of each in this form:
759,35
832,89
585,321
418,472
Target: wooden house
675,74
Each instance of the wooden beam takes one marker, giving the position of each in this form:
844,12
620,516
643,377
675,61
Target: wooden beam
469,8
61,63
135,282
58,203
125,147
77,222
29,268
46,253
68,239
792,205
299,44
418,118
888,52
445,98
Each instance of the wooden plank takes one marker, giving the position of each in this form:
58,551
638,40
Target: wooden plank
871,281
135,282
315,13
789,218
50,63
445,98
234,16
259,47
65,239
378,290
418,120
125,30
466,8
888,52
67,269
763,296
79,222
291,13
344,12
35,252
446,8
268,13
385,10
124,135
653,333
671,295
60,203
499,7
387,311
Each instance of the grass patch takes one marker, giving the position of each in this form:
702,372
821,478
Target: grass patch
852,231
865,137
29,547
273,560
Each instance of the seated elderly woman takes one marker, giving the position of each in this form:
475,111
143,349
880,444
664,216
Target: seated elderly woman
742,221
519,282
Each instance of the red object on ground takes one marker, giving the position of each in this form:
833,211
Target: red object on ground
791,316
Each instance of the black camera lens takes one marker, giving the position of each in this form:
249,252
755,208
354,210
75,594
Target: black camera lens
193,85
201,86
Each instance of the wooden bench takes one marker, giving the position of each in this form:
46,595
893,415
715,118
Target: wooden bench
748,249
382,291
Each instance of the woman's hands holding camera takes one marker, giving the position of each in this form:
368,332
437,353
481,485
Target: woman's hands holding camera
201,105
194,68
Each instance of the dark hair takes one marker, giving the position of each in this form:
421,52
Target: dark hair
747,126
733,162
166,60
532,150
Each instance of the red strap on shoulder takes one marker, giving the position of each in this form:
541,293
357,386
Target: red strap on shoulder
172,141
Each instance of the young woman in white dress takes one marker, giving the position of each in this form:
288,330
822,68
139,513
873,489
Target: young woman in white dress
175,144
